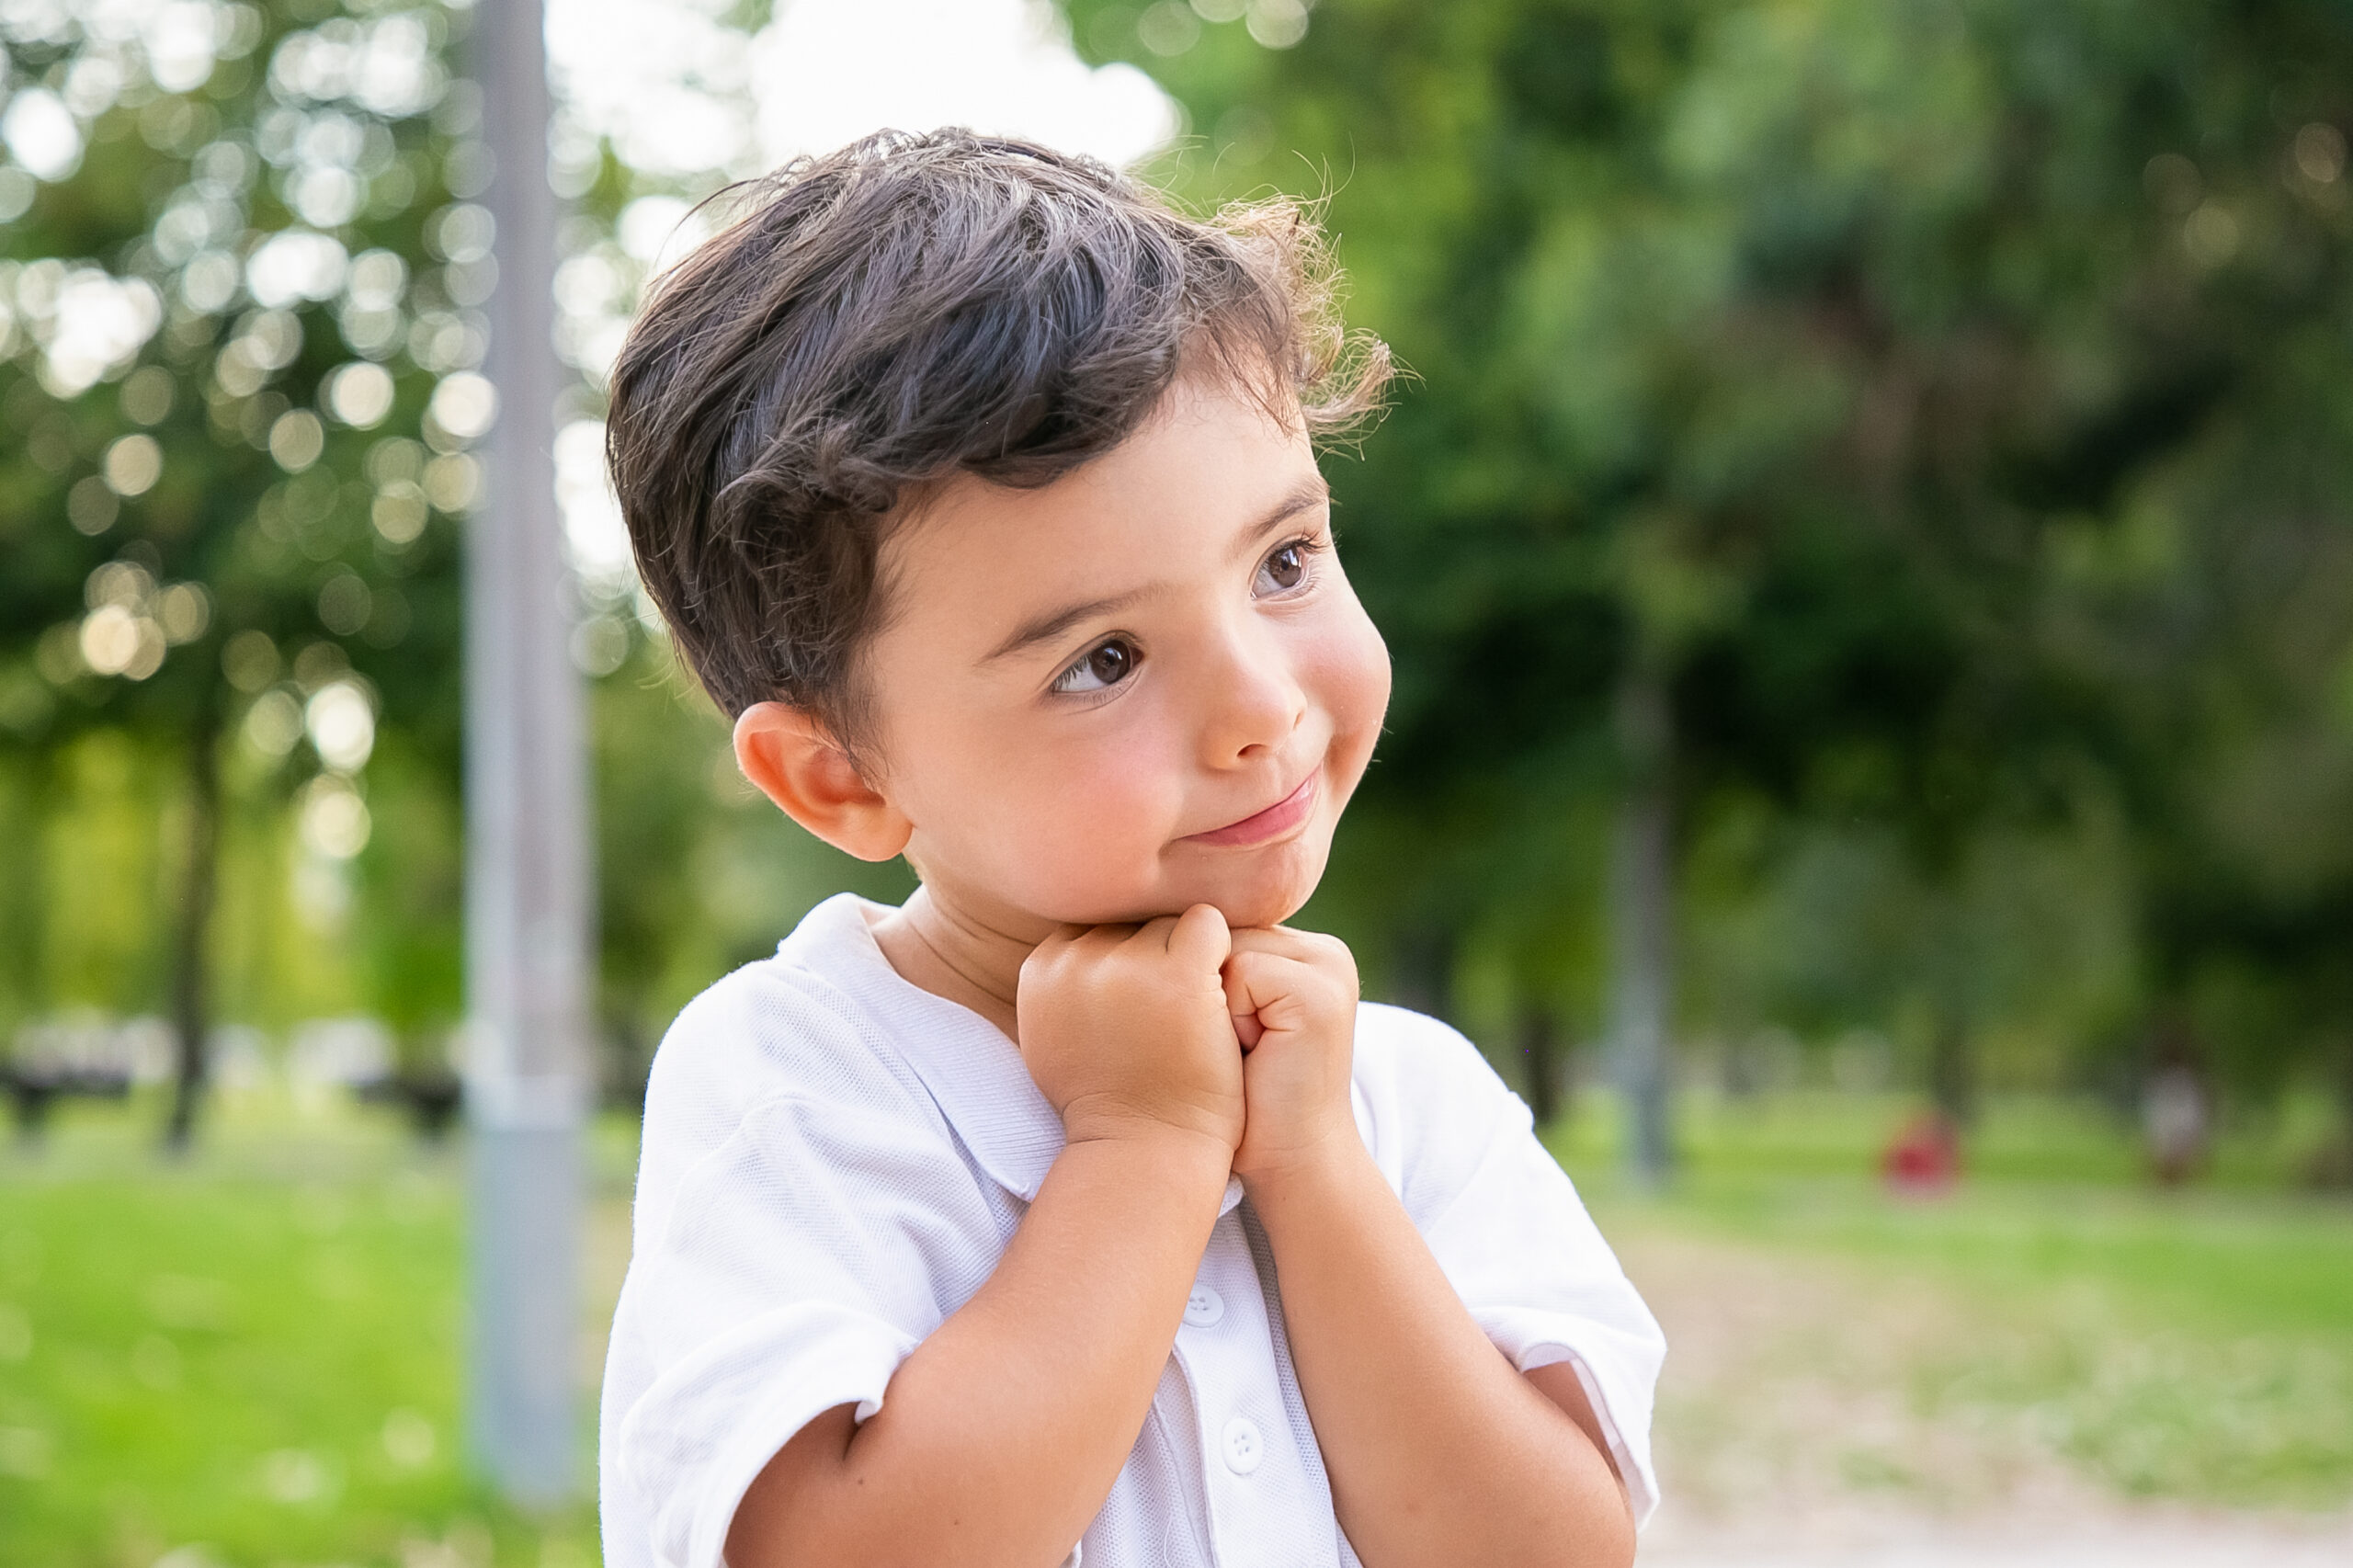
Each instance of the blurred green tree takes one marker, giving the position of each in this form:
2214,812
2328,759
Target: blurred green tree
1913,413
238,256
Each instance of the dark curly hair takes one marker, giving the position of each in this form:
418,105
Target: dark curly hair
912,308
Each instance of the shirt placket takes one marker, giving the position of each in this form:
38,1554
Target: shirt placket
1257,1480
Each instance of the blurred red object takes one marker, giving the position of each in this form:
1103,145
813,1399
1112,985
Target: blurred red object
1925,1159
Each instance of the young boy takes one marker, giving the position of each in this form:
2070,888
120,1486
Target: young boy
1075,1210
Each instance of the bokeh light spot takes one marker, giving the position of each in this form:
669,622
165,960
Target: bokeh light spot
183,610
334,823
452,483
343,603
133,464
274,723
464,405
399,512
342,724
250,660
296,439
42,134
91,505
361,394
2320,152
409,1439
147,393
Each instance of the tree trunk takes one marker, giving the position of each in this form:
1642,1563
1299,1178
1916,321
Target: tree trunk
1952,1069
191,944
2341,1168
1540,1050
24,891
1425,980
1641,893
2344,1096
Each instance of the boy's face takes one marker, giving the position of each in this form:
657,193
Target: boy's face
1145,686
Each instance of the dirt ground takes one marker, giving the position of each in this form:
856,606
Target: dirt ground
1808,1416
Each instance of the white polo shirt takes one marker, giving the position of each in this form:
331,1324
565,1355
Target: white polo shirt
835,1159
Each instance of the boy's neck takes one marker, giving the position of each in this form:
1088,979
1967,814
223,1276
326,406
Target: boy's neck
974,962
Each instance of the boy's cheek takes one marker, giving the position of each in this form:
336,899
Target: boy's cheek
1350,667
1085,837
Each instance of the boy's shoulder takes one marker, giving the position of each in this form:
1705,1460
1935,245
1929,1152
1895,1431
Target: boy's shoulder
1428,1102
788,1025
1404,1050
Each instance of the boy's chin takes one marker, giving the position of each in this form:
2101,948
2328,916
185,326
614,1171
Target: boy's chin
1268,891
1243,912
1268,896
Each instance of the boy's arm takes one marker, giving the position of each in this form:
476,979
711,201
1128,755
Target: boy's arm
1001,1435
1438,1451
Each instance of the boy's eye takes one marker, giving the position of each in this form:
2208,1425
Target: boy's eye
1099,669
1285,569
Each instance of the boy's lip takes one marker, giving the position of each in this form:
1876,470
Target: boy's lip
1273,822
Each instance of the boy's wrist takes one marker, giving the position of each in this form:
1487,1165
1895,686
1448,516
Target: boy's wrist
1166,1150
1174,1122
1331,1171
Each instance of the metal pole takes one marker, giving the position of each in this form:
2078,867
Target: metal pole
528,940
1641,893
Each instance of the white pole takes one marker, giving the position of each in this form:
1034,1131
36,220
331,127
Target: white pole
1642,911
527,942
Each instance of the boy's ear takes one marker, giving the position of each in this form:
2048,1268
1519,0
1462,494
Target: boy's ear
794,760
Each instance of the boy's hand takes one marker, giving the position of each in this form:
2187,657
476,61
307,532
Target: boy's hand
1293,997
1125,1028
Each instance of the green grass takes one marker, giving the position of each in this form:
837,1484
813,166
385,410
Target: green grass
251,1360
2052,1197
2194,1344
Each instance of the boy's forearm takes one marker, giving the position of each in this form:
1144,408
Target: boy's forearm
1002,1434
1438,1451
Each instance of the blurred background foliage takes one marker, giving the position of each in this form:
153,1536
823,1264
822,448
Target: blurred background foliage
240,321
1931,416
1869,517
1865,547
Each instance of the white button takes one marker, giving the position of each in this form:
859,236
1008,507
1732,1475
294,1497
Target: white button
1203,1307
1243,1447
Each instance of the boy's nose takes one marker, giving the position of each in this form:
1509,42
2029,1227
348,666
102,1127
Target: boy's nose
1252,701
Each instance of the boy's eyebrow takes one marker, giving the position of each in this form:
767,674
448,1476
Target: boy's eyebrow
1307,492
1049,626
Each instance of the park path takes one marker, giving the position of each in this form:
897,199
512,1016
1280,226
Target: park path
2156,1540
1790,1435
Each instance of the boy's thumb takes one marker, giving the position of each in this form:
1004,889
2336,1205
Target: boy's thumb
1200,937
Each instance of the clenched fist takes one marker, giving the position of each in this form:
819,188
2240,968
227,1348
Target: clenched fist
1293,999
1127,1031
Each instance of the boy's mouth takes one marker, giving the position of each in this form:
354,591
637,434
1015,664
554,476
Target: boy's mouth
1273,822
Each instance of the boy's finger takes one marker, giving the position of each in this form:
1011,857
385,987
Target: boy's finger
1067,935
1246,1027
1153,937
1198,939
1062,939
1281,992
1255,981
1312,948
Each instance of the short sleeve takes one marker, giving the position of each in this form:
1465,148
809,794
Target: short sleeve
1505,1224
793,1269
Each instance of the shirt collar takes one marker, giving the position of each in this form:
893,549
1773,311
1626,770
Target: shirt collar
972,1070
